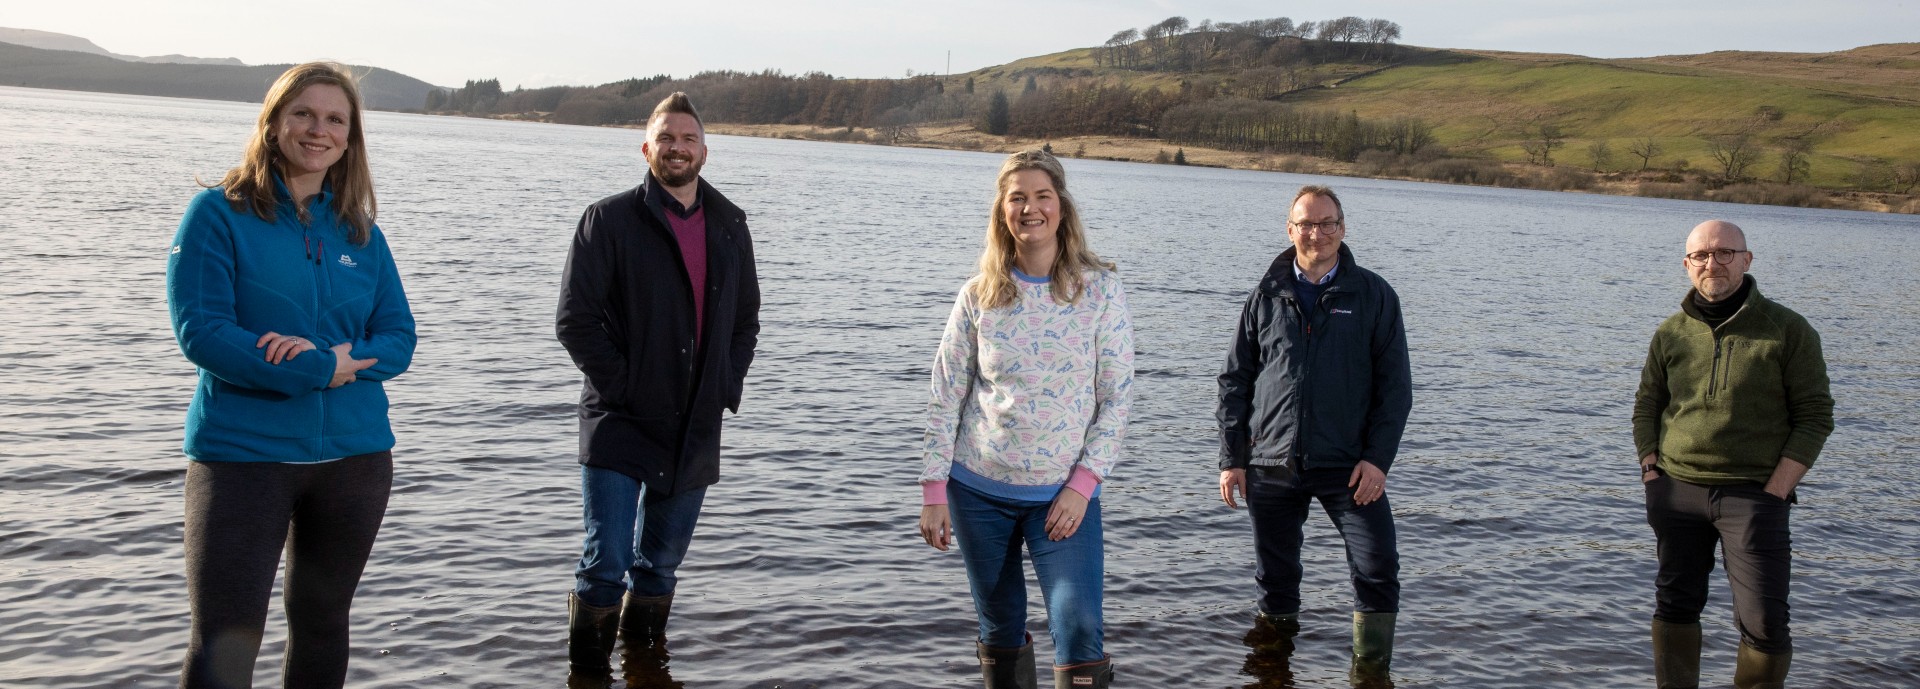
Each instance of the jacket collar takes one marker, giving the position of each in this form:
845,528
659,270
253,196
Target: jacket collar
285,196
1753,297
1279,278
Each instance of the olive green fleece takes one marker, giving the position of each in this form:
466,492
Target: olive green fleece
1725,405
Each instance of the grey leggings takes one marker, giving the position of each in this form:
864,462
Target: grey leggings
239,516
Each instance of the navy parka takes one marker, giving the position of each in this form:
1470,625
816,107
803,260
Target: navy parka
650,407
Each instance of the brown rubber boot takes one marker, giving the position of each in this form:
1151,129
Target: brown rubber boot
1007,668
1676,655
1094,675
1756,670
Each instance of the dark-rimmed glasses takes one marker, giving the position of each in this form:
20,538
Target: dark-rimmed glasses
1720,256
1325,228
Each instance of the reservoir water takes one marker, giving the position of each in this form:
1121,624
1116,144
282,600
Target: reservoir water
1527,561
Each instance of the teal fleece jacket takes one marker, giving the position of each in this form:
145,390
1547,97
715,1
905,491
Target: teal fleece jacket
233,277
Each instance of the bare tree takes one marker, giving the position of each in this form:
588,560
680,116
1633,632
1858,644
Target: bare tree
1795,152
1645,149
1544,140
896,125
1735,153
1602,153
1905,177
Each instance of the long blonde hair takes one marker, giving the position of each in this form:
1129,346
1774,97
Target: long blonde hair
995,287
250,186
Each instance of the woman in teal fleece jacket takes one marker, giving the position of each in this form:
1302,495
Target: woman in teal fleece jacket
283,293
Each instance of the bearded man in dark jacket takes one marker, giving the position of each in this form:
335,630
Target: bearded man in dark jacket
659,308
1313,399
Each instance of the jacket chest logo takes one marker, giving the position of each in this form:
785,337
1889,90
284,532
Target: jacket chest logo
347,261
1348,312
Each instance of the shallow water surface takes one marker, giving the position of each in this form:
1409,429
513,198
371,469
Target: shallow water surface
1526,557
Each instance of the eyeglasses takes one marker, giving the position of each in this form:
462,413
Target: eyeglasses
1720,256
1325,228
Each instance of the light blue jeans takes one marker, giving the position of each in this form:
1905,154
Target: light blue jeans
627,547
990,531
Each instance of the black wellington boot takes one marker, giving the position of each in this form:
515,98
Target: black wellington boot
643,621
590,633
1007,668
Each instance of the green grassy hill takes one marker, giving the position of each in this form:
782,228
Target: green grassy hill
1861,104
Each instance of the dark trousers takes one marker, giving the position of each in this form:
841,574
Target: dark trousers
239,515
1278,498
1750,526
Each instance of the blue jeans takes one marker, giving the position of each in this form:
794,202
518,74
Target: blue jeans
613,560
1278,498
990,530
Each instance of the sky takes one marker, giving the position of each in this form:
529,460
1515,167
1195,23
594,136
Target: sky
556,42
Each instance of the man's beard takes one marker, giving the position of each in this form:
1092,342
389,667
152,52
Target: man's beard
660,172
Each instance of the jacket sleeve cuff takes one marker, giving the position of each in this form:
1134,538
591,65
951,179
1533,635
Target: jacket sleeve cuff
933,493
1802,458
1083,481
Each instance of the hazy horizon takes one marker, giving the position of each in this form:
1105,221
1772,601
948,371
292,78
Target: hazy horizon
597,41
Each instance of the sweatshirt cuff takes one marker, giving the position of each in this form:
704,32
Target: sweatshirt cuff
933,493
1083,481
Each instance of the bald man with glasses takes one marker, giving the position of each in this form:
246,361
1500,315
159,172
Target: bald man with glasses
1732,410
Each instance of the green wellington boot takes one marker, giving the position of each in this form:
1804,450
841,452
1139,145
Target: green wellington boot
590,633
1094,675
1676,655
1756,670
1372,646
1007,668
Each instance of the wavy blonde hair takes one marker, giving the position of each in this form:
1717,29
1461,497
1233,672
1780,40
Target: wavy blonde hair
995,286
250,186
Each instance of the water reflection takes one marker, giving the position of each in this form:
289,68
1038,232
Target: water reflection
640,668
1270,661
1270,646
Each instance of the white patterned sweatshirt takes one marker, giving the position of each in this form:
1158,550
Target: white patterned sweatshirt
1032,394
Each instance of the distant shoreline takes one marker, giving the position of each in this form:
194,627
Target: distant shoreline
962,136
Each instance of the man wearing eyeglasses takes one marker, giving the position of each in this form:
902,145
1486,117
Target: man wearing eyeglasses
1313,399
1733,408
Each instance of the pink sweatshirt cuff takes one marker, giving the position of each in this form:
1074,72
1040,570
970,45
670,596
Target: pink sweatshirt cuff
1083,481
933,493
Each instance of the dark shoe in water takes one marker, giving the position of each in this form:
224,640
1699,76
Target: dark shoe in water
1372,648
1094,675
590,632
1755,670
1676,655
1007,668
643,620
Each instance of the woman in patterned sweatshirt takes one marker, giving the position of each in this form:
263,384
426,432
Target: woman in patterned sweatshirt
1031,389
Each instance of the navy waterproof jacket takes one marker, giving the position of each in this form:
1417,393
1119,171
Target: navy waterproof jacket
650,407
1316,386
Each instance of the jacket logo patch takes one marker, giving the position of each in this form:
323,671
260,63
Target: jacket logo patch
1345,311
176,249
347,261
